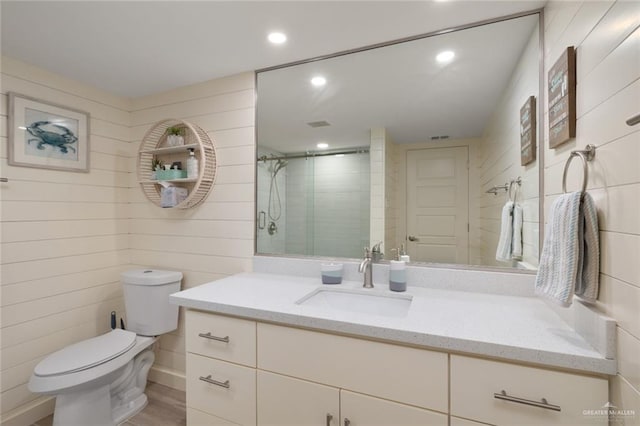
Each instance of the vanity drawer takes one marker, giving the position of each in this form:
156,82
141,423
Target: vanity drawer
199,418
476,382
234,401
226,338
398,373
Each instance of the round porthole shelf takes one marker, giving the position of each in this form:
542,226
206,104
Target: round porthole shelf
155,145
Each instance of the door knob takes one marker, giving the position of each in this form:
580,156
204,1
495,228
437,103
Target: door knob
412,238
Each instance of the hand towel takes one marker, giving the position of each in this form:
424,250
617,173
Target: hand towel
503,252
569,263
587,280
516,245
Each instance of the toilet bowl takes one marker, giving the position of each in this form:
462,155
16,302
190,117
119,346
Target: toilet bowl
101,381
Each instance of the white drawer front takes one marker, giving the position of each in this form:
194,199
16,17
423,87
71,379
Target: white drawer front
199,418
408,375
475,381
221,337
236,404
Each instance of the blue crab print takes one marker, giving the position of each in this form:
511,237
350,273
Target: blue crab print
47,133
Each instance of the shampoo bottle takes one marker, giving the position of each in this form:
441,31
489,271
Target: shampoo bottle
192,165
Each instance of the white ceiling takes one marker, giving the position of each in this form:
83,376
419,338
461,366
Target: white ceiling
137,48
399,87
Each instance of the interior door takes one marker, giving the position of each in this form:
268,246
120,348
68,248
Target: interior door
438,205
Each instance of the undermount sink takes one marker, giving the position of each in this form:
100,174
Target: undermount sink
361,301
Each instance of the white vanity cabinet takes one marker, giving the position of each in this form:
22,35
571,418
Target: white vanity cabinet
499,393
244,372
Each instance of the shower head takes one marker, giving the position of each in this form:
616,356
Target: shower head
280,164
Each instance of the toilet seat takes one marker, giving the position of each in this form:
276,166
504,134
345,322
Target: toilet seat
86,354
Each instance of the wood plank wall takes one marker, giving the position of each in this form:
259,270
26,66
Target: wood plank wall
607,38
214,239
64,237
500,161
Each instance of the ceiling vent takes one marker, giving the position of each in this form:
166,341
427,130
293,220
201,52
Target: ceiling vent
315,124
435,138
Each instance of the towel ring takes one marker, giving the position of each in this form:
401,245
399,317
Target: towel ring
585,155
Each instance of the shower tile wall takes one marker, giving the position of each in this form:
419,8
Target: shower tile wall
328,205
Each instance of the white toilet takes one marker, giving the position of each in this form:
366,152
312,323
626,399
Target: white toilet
101,381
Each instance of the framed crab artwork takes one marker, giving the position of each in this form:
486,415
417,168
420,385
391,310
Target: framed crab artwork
47,135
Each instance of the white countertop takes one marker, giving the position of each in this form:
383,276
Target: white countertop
513,328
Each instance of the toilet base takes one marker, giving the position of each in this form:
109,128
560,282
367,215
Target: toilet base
88,407
109,404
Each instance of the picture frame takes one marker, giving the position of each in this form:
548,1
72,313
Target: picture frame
528,131
46,135
562,98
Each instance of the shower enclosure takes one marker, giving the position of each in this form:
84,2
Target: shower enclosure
313,204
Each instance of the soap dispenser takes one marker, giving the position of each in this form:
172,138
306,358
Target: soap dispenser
192,165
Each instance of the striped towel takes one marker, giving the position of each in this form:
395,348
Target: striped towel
570,255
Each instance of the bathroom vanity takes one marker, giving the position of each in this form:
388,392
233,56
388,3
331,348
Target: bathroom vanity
258,354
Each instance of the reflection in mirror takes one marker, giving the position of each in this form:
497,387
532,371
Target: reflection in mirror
412,145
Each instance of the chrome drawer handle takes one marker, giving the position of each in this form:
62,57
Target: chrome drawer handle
210,336
329,418
208,379
543,404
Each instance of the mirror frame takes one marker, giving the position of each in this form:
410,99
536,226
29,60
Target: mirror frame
540,131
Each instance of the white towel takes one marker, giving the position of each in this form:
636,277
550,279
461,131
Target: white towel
503,252
570,258
516,244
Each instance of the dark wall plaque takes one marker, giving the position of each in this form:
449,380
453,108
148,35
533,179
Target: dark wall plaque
562,99
528,131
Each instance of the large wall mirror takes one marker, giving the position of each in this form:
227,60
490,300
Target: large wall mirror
414,143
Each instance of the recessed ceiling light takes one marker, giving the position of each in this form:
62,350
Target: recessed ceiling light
277,38
318,81
339,155
445,56
323,145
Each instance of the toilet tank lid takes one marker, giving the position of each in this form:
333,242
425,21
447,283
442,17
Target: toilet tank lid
150,277
87,353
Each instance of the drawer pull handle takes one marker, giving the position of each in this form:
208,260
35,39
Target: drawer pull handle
347,422
208,379
210,336
329,418
543,404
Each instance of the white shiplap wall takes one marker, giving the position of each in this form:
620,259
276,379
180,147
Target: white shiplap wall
607,38
214,239
64,238
500,161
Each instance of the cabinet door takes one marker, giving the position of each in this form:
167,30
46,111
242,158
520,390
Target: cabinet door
286,401
362,410
455,421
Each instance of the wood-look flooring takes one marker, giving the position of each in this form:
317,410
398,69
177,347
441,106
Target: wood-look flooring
166,407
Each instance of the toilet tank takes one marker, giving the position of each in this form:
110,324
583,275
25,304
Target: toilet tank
146,300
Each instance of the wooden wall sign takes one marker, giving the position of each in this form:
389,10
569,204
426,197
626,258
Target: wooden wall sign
562,99
528,131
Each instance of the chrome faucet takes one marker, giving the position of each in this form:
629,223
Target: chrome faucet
366,266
